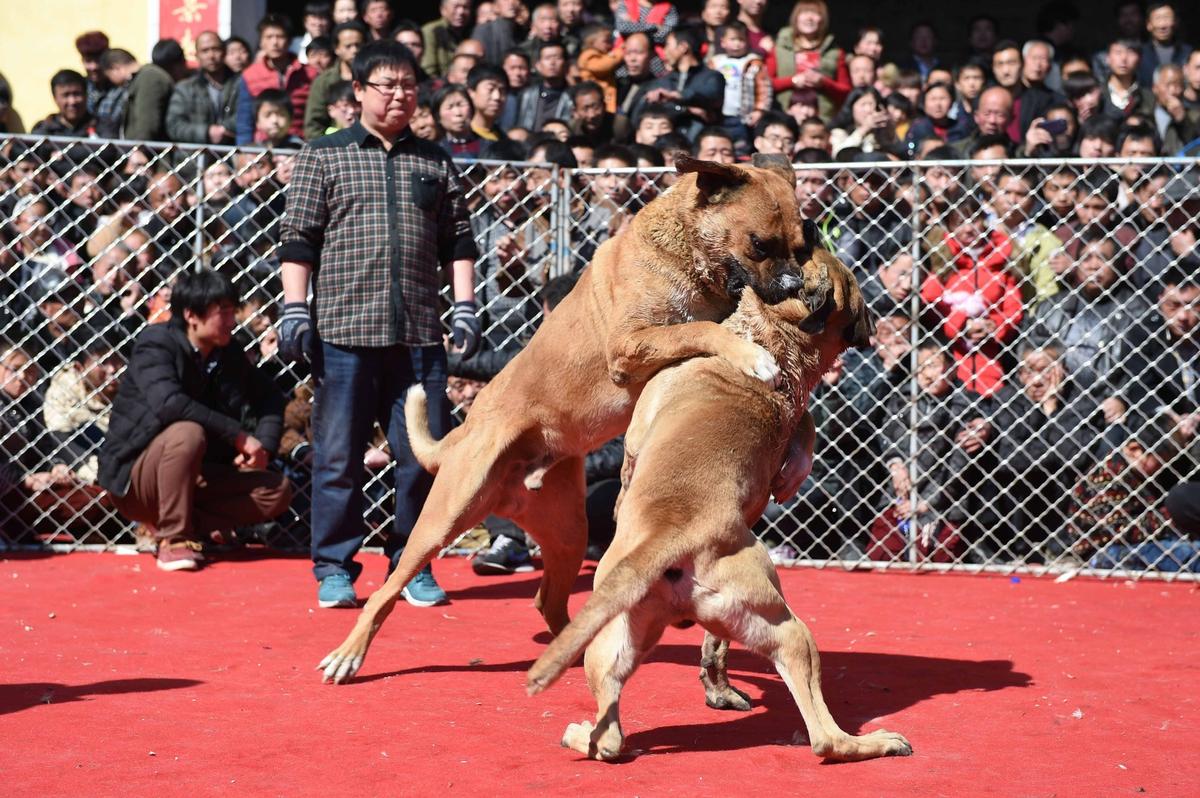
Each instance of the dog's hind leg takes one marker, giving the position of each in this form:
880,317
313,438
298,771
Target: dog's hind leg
610,659
556,517
461,496
799,664
750,608
714,675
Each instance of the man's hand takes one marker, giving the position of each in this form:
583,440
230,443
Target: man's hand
973,435
296,339
376,459
131,294
1113,409
901,483
217,133
251,454
508,250
1037,136
465,328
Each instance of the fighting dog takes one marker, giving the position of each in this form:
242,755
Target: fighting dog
701,451
652,296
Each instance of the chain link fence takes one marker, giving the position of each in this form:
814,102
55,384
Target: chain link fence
1030,395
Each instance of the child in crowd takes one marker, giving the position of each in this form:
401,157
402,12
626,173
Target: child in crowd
747,83
320,53
934,520
977,300
343,107
969,80
598,62
272,118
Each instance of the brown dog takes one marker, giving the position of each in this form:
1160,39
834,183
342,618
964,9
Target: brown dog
652,296
701,451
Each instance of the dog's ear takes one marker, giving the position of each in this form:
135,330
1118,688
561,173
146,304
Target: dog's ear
820,305
779,164
712,178
811,233
862,323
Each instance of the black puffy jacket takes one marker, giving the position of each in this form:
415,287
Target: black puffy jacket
165,383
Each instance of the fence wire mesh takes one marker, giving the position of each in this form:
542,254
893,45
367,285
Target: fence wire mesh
1030,395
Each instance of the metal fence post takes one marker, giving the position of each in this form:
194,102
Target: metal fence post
561,212
199,209
913,332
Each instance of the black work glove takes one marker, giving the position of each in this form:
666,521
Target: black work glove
296,339
465,329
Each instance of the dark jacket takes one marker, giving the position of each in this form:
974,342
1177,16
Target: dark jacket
498,37
146,111
190,111
164,383
54,125
1099,338
535,95
1164,374
941,463
864,241
699,87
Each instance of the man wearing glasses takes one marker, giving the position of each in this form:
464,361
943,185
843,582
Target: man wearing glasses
373,212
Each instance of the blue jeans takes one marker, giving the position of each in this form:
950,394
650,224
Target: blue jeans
357,386
1169,555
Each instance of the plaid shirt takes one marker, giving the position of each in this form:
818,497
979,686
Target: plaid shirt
375,225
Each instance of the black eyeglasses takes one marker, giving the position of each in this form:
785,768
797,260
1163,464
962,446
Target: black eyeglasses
393,88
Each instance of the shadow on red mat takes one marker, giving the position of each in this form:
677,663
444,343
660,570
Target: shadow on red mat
18,697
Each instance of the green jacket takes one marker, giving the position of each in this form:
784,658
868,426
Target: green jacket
440,44
146,112
316,110
785,67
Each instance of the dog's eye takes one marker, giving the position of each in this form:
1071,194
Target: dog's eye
758,250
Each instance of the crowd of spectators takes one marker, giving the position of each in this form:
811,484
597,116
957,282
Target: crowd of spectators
1050,320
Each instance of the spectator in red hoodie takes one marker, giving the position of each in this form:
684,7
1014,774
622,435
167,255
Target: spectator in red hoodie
274,68
978,301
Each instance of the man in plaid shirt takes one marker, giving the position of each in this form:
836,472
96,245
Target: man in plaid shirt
373,212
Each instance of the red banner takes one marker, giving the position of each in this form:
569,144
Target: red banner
184,20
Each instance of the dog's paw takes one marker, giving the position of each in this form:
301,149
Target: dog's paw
578,737
758,363
339,668
727,697
892,743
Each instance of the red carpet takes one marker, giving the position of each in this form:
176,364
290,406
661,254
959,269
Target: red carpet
146,683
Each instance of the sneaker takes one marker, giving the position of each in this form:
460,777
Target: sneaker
336,590
423,590
178,555
504,556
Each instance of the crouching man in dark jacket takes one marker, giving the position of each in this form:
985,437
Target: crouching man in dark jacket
178,455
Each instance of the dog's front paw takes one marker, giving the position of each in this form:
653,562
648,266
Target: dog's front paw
339,666
756,362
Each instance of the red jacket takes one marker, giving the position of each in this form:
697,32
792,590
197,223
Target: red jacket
296,81
980,286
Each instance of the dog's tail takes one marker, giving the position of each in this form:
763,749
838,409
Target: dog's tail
624,586
425,448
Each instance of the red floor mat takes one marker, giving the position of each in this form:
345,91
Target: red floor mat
118,679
